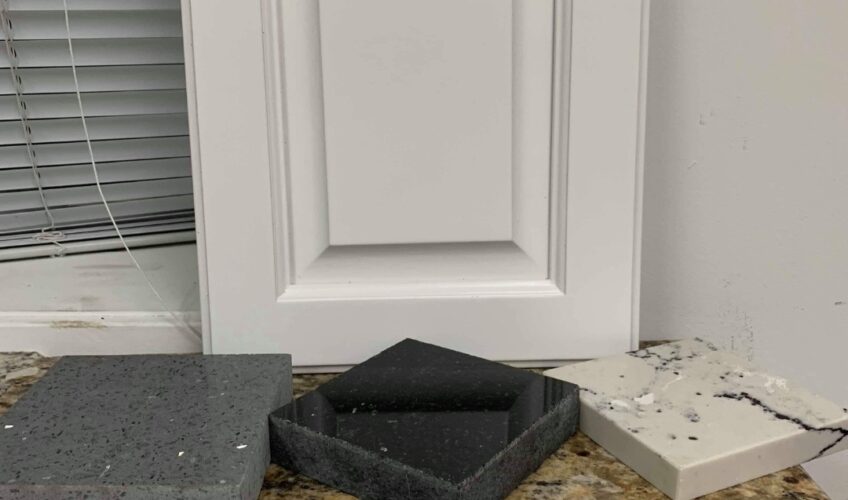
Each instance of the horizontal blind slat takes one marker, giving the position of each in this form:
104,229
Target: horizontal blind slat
96,104
74,175
99,224
139,219
87,195
50,25
77,152
99,128
129,59
94,5
97,79
103,52
95,235
175,219
66,215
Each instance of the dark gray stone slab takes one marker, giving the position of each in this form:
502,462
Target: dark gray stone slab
419,421
144,427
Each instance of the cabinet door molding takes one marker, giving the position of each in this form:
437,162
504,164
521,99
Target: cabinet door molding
464,172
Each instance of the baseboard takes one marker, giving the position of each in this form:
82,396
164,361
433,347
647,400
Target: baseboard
63,333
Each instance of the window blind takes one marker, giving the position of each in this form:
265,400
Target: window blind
129,60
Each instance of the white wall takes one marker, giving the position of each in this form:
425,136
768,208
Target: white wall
746,187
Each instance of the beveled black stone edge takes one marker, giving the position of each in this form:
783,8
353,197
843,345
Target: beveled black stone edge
370,476
352,469
524,454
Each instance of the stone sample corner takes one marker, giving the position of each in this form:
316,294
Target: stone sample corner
692,419
420,421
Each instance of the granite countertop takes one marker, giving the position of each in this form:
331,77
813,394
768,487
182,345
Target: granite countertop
579,469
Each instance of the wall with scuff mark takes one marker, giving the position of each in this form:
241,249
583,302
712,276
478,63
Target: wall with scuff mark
745,231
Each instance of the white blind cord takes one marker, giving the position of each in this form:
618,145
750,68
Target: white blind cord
164,306
49,233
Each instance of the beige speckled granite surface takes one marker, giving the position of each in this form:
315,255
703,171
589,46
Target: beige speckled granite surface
579,469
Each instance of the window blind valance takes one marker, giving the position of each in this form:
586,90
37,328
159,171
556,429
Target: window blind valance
129,60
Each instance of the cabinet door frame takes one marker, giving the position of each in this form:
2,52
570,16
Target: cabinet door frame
601,49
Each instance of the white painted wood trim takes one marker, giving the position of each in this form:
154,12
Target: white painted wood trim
644,43
402,291
277,126
63,333
100,303
197,178
560,103
608,46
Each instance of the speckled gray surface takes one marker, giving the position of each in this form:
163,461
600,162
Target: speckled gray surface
133,427
579,469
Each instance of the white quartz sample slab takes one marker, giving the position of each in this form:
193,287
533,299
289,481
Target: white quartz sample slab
692,419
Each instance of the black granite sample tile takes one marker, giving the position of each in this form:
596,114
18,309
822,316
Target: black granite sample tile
421,421
144,427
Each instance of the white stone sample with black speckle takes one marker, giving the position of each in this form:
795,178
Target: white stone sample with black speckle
692,419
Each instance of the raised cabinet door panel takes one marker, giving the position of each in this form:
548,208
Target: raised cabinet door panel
416,103
464,172
410,128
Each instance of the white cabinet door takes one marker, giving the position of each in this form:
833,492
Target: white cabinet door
463,172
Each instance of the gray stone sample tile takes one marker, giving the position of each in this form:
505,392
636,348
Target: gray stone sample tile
144,427
420,421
